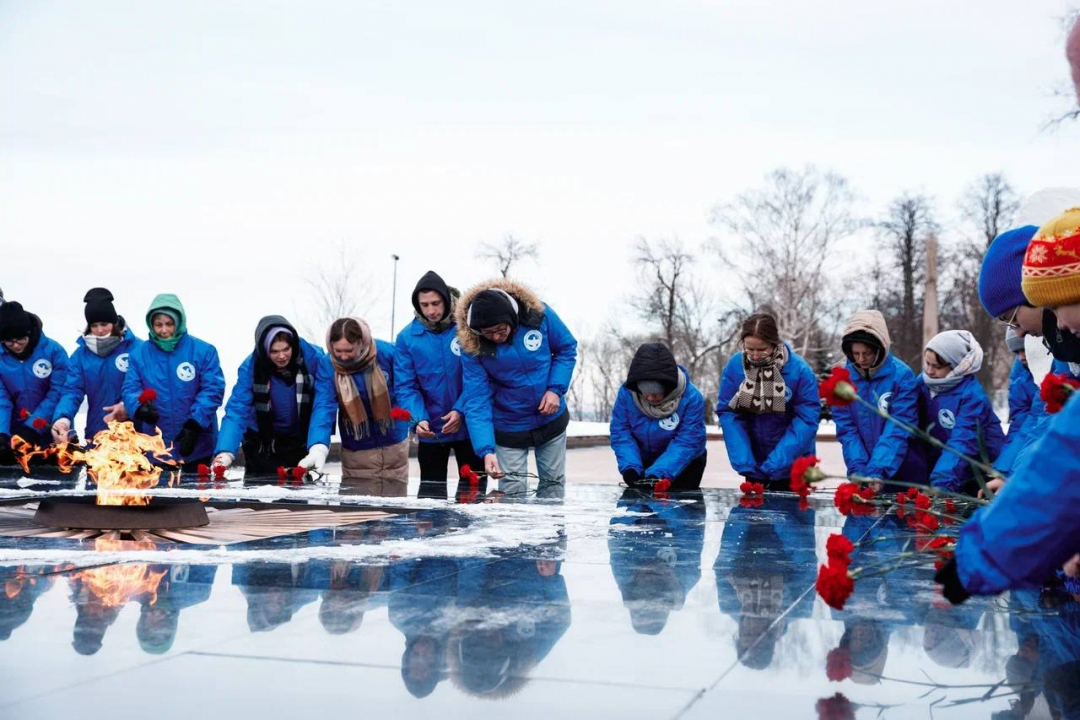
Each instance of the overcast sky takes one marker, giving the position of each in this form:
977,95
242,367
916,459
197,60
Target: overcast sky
219,149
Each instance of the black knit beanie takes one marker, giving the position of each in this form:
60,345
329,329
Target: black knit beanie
490,308
15,322
99,307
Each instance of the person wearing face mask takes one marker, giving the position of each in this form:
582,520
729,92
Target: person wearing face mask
282,407
873,447
658,422
374,446
1022,394
33,369
427,369
97,369
960,414
768,405
185,374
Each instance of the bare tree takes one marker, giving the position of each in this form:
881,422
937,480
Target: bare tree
507,253
906,225
788,230
337,289
987,209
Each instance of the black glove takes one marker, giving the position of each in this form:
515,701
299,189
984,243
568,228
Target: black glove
631,477
949,580
7,455
148,414
187,437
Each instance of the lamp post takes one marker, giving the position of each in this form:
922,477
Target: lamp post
393,297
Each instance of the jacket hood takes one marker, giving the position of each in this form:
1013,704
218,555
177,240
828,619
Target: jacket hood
867,326
530,310
167,301
264,326
433,282
653,361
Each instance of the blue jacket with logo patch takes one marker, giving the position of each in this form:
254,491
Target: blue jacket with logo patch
35,385
765,446
1032,526
872,446
427,368
240,410
99,379
189,385
658,448
504,391
1022,395
962,418
397,431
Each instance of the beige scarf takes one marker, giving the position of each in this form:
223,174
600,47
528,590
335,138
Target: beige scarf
665,407
763,389
366,362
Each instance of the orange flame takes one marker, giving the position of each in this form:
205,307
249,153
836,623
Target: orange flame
116,585
14,586
117,461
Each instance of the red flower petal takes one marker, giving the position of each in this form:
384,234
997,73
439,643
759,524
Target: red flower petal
203,470
838,665
23,414
912,492
922,501
40,424
758,488
402,414
746,488
219,471
837,389
298,473
836,707
839,548
1056,390
834,585
282,472
147,395
662,485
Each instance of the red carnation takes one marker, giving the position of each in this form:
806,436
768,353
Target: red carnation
662,485
912,492
929,522
202,470
950,506
23,414
147,395
759,488
401,414
837,388
836,707
467,473
901,498
282,472
804,504
751,501
900,513
834,585
805,472
298,473
839,548
838,665
40,424
1056,389
922,501
942,543
219,471
843,497
746,488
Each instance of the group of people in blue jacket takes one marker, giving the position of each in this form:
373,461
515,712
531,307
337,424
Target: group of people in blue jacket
482,376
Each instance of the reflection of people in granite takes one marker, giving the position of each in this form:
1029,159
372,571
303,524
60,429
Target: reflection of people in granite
514,611
879,603
1047,624
92,617
19,590
182,587
655,551
274,592
423,610
766,564
348,590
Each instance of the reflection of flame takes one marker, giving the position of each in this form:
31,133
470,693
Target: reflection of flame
14,586
115,585
117,461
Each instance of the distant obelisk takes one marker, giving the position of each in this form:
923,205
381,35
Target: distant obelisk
930,305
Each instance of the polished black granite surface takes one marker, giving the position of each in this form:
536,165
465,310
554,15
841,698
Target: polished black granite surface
610,604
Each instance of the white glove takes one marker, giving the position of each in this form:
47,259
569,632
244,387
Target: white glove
315,459
224,459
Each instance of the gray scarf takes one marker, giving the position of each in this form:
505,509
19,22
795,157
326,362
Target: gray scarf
958,348
665,407
102,346
763,390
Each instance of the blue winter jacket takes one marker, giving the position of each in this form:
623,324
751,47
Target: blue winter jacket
1022,395
189,385
427,368
35,385
504,391
872,446
397,431
765,446
1032,526
1038,421
240,410
99,379
658,448
960,417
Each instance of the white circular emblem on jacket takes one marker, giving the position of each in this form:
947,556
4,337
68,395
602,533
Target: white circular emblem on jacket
42,368
946,418
787,393
185,371
533,340
455,347
883,401
122,362
670,422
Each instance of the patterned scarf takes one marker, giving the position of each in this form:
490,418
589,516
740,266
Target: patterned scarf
260,389
763,391
366,362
